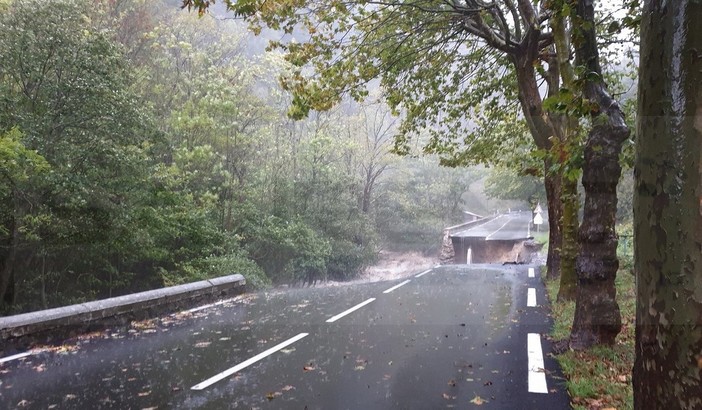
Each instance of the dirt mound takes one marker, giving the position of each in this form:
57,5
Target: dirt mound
397,265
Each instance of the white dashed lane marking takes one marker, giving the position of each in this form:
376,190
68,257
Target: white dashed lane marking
531,272
397,286
537,374
531,297
18,356
346,312
214,379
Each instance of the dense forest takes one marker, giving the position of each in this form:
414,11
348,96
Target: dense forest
142,146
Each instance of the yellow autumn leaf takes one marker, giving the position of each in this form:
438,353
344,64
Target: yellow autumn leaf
478,401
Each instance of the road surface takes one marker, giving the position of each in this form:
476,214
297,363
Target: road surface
451,337
510,226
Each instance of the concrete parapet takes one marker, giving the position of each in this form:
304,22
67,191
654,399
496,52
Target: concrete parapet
122,308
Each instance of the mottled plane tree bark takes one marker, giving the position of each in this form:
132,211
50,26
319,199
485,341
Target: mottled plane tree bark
668,208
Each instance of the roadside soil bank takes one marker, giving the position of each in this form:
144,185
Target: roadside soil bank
390,266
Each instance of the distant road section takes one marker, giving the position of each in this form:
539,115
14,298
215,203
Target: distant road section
511,226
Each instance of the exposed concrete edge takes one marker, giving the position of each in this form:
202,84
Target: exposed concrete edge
447,253
134,305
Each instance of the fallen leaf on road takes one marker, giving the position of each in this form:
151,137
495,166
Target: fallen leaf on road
308,368
24,403
202,344
288,388
144,393
273,395
478,401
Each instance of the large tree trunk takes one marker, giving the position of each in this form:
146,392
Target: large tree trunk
569,249
668,209
597,318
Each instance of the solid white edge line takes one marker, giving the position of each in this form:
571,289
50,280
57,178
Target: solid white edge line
203,307
531,297
17,356
214,379
531,272
498,229
397,286
423,273
346,312
537,374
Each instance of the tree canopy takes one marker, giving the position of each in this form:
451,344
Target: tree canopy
141,146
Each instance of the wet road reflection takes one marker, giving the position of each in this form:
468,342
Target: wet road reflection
438,341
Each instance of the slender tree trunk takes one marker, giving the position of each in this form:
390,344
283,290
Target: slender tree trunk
7,273
569,249
668,209
541,131
597,317
555,212
571,135
7,269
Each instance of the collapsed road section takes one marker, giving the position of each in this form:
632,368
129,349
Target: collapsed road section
503,239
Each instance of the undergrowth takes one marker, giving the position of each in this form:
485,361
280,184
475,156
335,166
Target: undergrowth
600,378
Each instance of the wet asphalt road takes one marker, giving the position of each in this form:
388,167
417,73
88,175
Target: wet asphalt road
510,226
454,337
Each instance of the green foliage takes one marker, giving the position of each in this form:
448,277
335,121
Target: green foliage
18,164
503,183
289,251
143,147
420,202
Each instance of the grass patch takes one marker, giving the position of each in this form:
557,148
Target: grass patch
542,238
600,377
